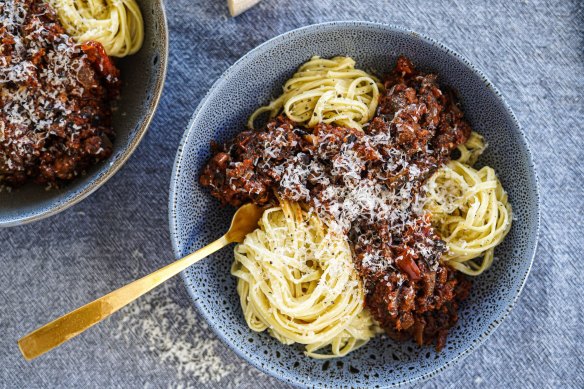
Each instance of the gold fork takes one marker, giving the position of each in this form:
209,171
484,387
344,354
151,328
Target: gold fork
73,323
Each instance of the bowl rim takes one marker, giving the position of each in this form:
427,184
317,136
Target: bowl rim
92,186
331,25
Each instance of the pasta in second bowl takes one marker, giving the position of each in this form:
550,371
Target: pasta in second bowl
195,217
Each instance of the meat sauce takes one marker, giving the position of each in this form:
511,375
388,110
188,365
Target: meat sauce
55,94
369,185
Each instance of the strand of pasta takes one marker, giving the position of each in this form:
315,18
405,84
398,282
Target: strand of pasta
328,91
116,24
472,149
297,280
470,210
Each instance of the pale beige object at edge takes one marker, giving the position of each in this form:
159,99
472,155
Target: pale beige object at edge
237,7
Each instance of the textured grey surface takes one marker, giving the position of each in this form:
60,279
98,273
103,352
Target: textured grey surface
533,51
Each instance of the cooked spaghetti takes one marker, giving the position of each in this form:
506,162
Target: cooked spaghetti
116,24
472,149
296,279
469,209
328,91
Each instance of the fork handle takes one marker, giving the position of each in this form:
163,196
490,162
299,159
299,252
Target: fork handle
73,323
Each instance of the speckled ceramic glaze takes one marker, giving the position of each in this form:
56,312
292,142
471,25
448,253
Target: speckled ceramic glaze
142,80
196,218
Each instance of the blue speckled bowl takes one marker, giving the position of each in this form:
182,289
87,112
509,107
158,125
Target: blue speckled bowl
196,218
142,77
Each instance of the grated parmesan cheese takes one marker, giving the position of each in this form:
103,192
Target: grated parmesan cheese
352,204
47,84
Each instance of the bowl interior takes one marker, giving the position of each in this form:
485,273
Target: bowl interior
139,97
197,218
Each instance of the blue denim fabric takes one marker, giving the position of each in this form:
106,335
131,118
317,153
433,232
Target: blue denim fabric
532,50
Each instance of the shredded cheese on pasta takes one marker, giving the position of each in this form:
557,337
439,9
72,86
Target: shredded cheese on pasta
470,210
296,279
